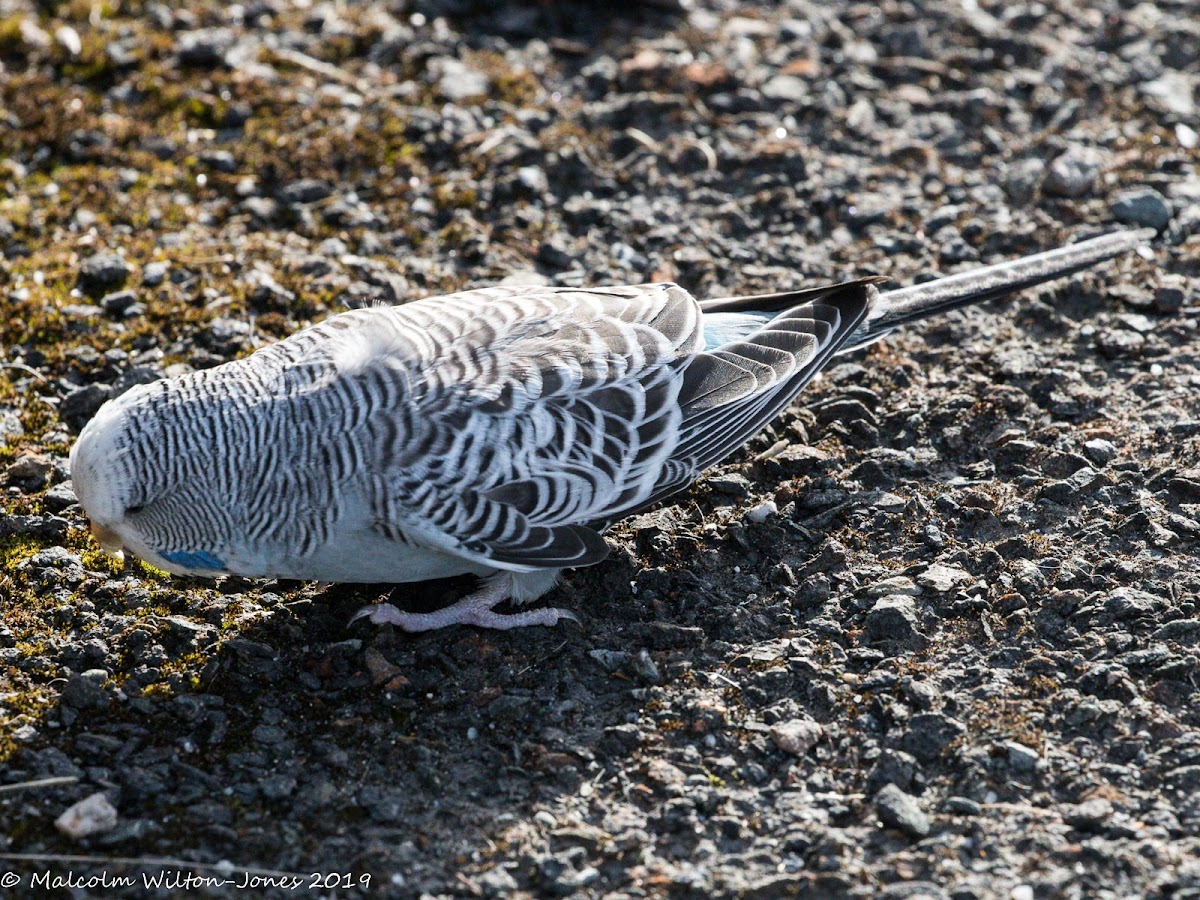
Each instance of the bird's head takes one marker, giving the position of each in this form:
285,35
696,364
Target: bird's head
139,486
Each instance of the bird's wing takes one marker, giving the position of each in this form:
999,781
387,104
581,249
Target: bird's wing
522,416
732,391
525,420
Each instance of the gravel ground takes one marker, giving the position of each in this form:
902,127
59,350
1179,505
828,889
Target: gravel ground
935,634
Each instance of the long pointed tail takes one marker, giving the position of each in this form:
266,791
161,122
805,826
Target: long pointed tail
910,304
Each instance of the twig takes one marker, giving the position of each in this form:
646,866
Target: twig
26,369
39,783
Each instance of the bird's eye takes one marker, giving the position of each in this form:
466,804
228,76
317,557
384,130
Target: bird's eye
133,510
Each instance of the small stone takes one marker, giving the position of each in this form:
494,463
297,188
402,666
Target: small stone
81,310
116,303
91,815
155,273
457,81
797,736
219,160
1090,815
533,179
892,767
205,47
497,882
929,734
1021,759
897,584
306,190
899,810
1100,451
1171,294
102,272
1172,92
1141,206
59,497
10,425
86,690
731,485
786,88
942,579
892,618
963,806
30,472
762,511
553,255
1074,173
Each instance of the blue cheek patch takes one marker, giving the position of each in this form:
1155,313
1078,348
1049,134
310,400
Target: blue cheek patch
197,560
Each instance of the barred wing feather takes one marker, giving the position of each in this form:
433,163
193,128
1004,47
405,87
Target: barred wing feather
530,412
534,417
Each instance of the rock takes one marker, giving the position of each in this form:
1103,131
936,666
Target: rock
786,88
91,815
930,733
1091,815
30,472
892,767
1172,92
731,484
1171,295
306,190
102,272
1074,173
533,179
762,511
942,579
118,302
552,254
10,425
155,273
1021,759
456,81
204,48
796,736
892,618
963,806
899,810
1100,451
219,160
1141,206
86,690
497,882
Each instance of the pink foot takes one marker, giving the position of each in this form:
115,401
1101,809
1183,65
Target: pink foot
473,609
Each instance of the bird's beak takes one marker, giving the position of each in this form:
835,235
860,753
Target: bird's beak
109,541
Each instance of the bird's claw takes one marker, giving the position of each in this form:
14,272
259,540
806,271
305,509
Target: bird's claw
462,613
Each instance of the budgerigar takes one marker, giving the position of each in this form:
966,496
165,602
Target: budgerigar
496,432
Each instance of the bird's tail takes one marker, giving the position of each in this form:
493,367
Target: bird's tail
901,307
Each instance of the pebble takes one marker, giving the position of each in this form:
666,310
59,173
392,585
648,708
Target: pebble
942,579
796,736
92,815
1091,815
892,618
1021,759
456,81
103,272
899,810
762,511
1074,173
1143,206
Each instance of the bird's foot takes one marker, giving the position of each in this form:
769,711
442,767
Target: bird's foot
474,609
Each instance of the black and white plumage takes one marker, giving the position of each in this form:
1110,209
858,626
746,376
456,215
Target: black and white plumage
497,432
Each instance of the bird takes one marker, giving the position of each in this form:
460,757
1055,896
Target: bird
495,432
